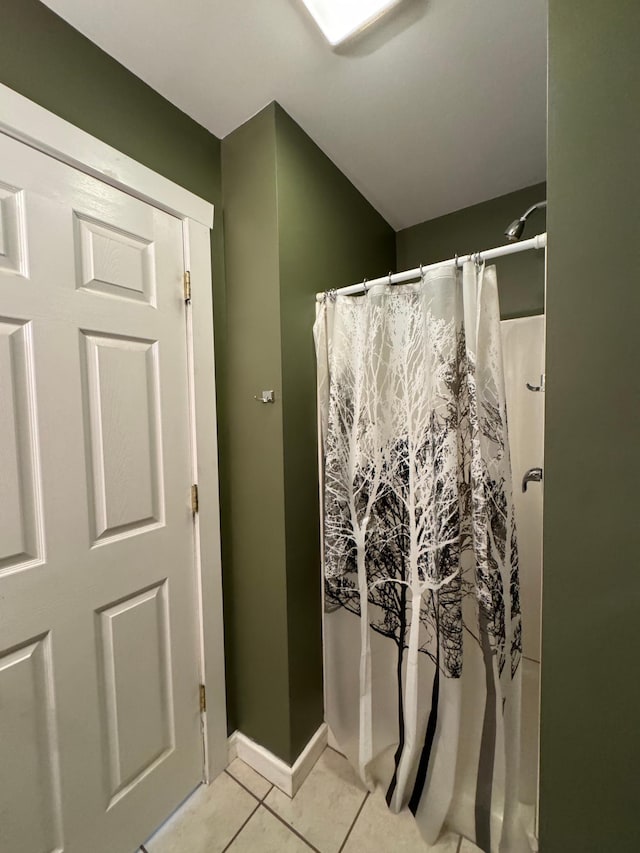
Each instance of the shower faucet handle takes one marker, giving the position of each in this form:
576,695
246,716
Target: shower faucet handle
533,475
539,387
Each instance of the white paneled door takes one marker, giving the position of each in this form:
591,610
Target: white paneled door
100,728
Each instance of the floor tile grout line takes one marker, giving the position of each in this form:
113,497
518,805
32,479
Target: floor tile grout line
242,785
248,790
257,806
353,823
288,825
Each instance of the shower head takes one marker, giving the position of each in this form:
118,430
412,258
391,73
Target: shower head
516,229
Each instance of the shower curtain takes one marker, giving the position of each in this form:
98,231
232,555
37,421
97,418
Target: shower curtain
421,593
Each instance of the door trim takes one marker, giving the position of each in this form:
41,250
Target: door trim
41,129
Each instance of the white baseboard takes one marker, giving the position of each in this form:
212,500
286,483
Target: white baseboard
287,778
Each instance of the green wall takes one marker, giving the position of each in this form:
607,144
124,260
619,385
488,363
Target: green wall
590,732
482,226
294,225
255,585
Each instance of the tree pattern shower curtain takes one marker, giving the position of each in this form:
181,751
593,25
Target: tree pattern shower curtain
422,617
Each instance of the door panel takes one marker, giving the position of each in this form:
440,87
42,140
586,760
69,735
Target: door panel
121,418
12,249
134,640
113,262
99,666
31,804
19,517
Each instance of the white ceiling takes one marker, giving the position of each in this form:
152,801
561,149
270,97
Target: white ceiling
439,106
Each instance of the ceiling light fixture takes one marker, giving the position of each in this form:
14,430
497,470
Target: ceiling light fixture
339,19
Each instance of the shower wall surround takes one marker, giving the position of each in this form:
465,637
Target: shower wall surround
523,356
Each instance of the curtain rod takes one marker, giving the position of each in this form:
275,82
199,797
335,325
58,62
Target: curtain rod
537,242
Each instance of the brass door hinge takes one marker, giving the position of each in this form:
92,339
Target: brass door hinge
187,286
203,698
194,499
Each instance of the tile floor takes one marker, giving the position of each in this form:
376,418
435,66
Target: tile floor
331,813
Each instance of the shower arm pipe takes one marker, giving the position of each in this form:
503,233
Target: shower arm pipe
537,242
539,206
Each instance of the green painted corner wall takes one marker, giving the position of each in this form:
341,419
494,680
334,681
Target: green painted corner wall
590,738
482,226
255,582
329,236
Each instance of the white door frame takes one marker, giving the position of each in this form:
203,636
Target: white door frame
30,123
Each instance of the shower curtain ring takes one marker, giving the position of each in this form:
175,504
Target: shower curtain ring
364,284
390,282
456,262
421,272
